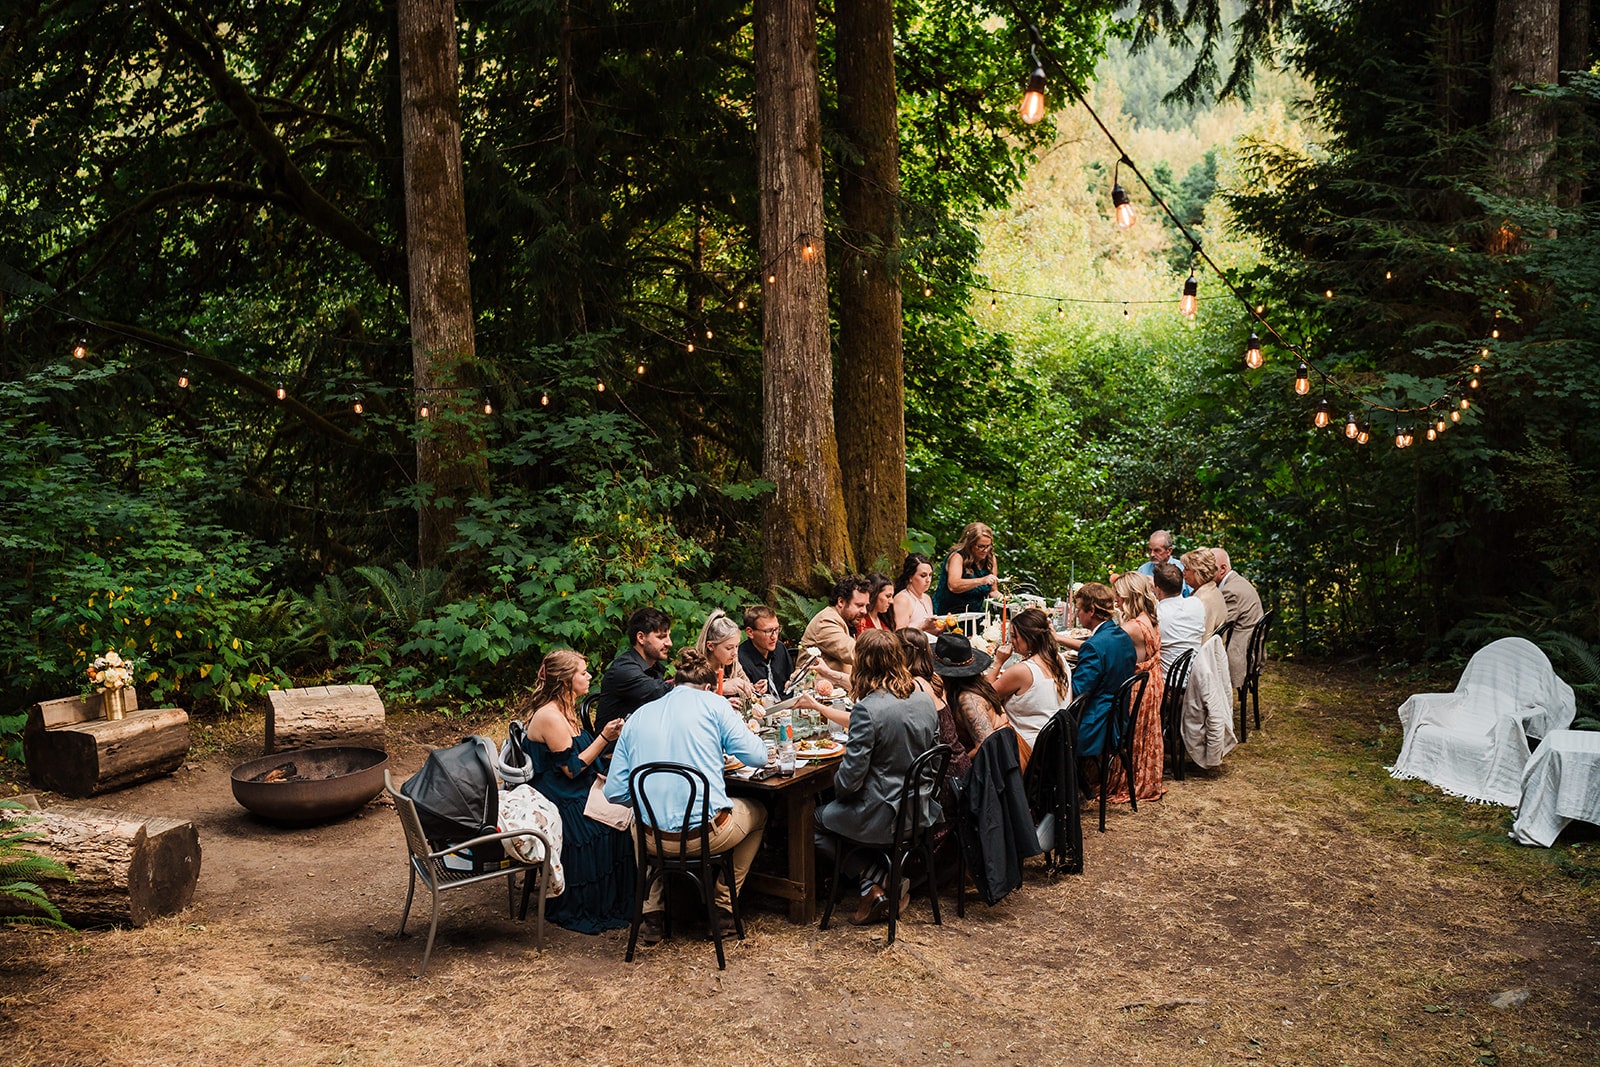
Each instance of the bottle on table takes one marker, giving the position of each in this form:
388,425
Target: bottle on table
786,750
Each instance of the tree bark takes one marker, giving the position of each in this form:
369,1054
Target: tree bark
1573,55
805,520
451,465
871,396
1526,34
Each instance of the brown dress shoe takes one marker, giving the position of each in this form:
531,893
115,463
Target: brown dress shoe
874,907
652,929
725,925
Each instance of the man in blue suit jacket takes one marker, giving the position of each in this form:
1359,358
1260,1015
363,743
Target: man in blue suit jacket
1106,659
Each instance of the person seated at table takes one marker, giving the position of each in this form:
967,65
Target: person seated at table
1181,620
693,726
918,653
763,656
719,643
1244,611
912,604
831,631
1160,549
564,756
637,675
970,572
974,708
1136,604
893,722
1037,685
1105,660
1200,573
880,605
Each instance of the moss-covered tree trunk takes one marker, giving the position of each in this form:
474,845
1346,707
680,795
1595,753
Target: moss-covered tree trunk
451,465
1527,36
805,520
871,395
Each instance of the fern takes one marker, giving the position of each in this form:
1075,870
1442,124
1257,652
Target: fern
21,869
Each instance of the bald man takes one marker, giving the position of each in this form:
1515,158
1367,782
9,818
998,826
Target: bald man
1244,611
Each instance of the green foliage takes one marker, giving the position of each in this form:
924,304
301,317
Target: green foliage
21,869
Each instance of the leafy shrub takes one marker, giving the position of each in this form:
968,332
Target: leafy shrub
21,869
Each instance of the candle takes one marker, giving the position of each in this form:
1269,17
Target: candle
719,681
1002,618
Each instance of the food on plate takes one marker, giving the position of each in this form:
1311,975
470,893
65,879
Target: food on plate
732,763
824,687
813,747
1079,632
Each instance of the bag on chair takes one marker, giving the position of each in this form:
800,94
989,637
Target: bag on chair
458,799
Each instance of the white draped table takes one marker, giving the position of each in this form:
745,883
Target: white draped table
1561,783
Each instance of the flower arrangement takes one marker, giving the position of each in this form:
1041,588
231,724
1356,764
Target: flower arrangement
111,672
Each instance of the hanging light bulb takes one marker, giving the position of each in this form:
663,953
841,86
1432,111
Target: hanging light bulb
357,407
1328,293
1252,352
1364,434
741,305
488,408
1120,206
1351,427
424,411
1191,296
1126,314
639,369
772,279
806,250
1032,107
1388,275
599,386
544,400
1324,414
1399,437
1465,403
689,346
183,379
927,290
1495,334
1060,313
993,303
1441,425
1472,383
283,394
1433,435
1302,379
80,348
709,335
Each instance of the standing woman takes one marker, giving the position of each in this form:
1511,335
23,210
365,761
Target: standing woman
912,605
1136,602
719,644
880,605
969,573
1039,684
599,860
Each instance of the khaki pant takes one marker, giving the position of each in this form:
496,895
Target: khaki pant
741,832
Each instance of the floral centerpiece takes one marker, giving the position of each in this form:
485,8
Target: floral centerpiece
111,677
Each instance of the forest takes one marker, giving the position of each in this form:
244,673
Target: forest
222,421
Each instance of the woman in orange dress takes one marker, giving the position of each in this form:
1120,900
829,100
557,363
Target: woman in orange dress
1136,603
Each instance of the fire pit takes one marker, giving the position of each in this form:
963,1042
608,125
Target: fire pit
309,785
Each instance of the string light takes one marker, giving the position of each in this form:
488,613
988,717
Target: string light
424,411
1465,403
544,400
1351,427
927,290
599,386
283,394
1119,200
1441,425
1060,314
80,348
488,408
1328,293
639,369
1388,275
1191,296
772,279
806,252
1433,435
1302,379
1324,413
689,346
1364,434
741,305
183,379
1252,352
1455,416
1032,108
1472,383
357,407
709,335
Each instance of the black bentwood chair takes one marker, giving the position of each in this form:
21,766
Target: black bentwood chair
1172,711
1051,785
1120,725
1255,658
911,836
657,860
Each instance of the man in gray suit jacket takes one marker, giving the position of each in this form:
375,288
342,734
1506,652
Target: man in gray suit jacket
891,724
1244,611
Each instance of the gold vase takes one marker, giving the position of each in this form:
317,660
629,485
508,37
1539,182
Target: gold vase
114,702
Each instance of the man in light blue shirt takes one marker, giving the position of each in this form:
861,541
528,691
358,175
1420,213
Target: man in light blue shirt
694,727
1160,552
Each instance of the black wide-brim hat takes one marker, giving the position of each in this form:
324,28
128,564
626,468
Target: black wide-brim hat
954,657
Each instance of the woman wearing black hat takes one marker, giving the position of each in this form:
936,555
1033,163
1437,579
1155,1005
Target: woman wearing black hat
973,705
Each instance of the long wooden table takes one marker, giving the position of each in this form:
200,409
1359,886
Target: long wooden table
798,795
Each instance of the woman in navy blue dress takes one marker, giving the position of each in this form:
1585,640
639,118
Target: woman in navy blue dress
598,860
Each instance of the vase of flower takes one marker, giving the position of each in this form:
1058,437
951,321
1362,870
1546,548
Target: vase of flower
114,702
112,677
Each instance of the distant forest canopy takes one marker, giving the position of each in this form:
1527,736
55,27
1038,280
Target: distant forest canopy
216,211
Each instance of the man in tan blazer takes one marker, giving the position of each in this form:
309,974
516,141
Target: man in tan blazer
832,631
1244,611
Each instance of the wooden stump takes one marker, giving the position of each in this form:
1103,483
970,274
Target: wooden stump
70,749
127,869
325,715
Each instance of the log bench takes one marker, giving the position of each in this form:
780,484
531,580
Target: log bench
127,869
325,715
70,749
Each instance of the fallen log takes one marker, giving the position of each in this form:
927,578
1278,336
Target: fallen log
70,749
325,715
127,869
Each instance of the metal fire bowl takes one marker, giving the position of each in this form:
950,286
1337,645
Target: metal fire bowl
339,780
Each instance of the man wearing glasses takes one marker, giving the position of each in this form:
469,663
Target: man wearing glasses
1161,552
763,656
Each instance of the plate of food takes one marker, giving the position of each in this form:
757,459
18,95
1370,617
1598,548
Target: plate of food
818,748
1079,632
731,763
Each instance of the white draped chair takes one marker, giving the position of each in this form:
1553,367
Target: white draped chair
1474,742
1208,732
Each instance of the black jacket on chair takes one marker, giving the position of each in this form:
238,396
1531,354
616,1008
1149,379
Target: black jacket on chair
992,821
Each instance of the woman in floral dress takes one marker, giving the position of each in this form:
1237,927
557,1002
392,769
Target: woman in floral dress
1137,605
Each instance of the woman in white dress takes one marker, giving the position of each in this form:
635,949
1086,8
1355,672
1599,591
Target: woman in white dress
913,606
1039,684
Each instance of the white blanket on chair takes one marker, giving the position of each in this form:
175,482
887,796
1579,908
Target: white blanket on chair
1474,742
1208,706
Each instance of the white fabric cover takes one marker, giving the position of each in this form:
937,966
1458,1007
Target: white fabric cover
1562,783
1208,706
1474,742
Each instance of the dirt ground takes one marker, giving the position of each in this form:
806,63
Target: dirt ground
1296,907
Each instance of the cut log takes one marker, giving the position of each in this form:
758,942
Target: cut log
81,757
127,869
325,715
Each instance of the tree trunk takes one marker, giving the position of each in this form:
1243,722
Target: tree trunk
805,521
1573,55
451,465
1526,34
871,400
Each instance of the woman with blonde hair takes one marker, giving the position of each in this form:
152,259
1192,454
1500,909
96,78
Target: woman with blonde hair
719,644
1200,572
970,572
598,860
1136,603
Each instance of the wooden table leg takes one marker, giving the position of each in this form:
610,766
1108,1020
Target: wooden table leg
803,854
